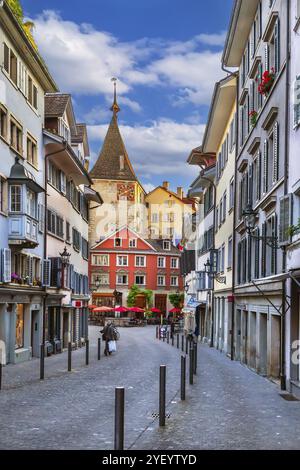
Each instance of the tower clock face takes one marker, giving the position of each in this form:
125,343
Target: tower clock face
126,192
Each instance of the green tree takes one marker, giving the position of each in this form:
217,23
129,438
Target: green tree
17,9
135,291
177,300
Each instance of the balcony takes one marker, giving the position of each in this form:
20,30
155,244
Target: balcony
22,231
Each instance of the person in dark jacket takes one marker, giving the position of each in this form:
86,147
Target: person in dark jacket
107,335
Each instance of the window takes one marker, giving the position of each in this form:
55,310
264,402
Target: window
174,263
224,206
32,151
3,122
244,120
64,130
230,254
166,245
132,243
174,281
140,261
154,218
15,198
16,136
102,278
19,326
140,280
31,203
100,260
118,242
55,224
122,279
68,232
32,93
10,64
272,49
271,159
122,260
256,31
85,249
232,134
161,262
76,240
217,219
161,281
208,200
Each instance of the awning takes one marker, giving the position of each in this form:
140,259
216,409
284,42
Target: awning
193,303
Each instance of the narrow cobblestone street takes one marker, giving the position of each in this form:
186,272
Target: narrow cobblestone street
229,407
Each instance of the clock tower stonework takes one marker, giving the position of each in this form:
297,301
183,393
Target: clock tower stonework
114,178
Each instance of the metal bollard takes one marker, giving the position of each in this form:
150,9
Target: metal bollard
99,349
119,418
0,375
42,362
87,351
172,339
162,395
157,332
164,336
186,345
191,364
69,357
195,357
168,337
182,343
183,375
177,341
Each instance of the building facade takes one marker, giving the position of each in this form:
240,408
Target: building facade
257,45
124,259
67,219
219,138
24,79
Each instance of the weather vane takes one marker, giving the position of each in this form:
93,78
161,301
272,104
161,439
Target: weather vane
115,107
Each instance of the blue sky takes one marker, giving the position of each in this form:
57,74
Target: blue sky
166,55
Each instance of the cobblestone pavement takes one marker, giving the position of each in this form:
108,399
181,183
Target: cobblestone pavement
228,407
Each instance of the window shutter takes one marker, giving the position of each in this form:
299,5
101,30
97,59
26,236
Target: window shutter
267,57
297,101
256,254
285,219
71,276
274,250
41,216
250,184
29,273
265,167
46,272
6,58
5,265
277,46
249,260
252,105
63,187
239,252
260,96
275,152
263,250
258,177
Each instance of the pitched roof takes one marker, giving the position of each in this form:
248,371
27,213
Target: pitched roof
56,104
158,246
108,164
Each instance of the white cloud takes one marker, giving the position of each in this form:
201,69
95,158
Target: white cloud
83,60
157,149
148,187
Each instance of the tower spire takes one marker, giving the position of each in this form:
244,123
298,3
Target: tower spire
115,107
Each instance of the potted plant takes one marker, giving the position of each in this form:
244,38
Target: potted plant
15,278
267,81
253,118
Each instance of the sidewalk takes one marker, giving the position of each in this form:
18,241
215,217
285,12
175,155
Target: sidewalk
228,407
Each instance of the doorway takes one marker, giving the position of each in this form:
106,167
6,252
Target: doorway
263,344
238,335
66,335
252,340
161,303
35,333
245,337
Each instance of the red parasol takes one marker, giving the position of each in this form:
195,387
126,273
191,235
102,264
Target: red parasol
136,310
175,310
103,309
121,309
155,310
91,307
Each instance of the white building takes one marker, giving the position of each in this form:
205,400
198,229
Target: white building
24,79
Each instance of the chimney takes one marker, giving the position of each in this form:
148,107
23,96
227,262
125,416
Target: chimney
166,185
180,193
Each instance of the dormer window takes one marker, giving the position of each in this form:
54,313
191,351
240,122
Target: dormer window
122,162
118,242
64,130
166,245
132,243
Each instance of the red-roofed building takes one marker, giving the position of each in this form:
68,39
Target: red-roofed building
125,259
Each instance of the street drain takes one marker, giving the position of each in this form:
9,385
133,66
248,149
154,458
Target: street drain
156,415
288,397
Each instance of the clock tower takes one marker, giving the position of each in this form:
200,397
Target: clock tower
114,178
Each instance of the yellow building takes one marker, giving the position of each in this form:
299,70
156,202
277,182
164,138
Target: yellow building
220,138
114,177
168,211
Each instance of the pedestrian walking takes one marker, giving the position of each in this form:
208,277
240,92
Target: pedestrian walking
110,335
172,329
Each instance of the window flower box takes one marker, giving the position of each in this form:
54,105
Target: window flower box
267,82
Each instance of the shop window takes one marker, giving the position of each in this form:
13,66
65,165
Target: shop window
19,326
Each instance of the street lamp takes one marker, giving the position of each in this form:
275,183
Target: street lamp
187,287
65,257
250,217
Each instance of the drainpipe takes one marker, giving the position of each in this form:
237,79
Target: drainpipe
286,188
45,228
234,212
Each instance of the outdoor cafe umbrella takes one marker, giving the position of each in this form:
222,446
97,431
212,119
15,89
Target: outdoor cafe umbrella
155,310
136,310
91,307
121,309
103,309
175,310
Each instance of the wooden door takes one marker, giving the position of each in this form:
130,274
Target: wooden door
161,302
